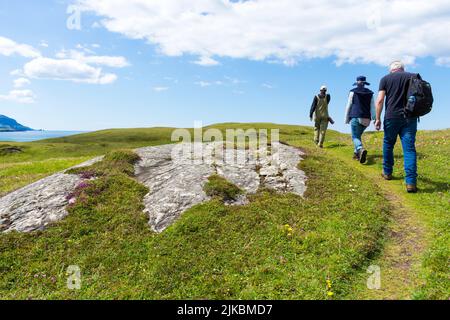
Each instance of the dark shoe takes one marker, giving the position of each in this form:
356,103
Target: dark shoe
387,176
355,156
362,156
411,188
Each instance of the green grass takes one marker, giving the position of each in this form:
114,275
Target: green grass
43,158
277,246
430,206
221,188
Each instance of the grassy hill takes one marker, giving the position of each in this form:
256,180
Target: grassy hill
278,246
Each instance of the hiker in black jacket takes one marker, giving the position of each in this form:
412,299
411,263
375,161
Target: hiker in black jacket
359,113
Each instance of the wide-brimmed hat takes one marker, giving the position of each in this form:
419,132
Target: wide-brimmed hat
361,79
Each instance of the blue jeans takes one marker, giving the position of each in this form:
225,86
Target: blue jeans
406,129
357,131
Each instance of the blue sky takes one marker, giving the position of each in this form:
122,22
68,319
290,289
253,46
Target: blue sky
126,74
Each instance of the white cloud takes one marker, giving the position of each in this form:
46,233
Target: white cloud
203,84
285,31
43,44
170,79
160,89
267,86
443,61
21,82
67,69
229,81
19,96
234,81
206,62
108,61
9,47
16,72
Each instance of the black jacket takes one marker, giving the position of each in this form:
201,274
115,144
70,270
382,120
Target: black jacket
362,102
314,105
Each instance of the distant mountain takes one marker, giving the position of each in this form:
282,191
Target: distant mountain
8,125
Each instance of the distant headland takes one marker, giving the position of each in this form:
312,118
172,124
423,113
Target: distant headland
10,125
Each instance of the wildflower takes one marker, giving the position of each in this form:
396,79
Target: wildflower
330,293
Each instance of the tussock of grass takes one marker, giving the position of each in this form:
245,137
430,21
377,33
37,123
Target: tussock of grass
8,149
120,161
221,188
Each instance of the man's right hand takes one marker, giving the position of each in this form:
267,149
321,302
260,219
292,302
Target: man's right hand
378,125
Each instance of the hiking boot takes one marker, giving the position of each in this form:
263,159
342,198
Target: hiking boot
362,156
387,177
411,188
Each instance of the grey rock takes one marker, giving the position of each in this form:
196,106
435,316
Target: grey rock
38,204
176,183
175,175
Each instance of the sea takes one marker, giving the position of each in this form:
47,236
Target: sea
28,136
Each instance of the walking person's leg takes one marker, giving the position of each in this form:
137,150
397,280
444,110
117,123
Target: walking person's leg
316,132
390,138
408,137
356,134
323,131
357,131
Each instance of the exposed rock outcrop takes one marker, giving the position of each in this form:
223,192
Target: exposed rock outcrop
176,183
175,175
38,204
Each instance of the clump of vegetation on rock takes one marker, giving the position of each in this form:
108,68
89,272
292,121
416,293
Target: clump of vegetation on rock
121,161
219,187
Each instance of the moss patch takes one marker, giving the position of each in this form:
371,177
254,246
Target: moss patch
219,187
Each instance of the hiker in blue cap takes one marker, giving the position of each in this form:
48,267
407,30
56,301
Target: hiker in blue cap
359,112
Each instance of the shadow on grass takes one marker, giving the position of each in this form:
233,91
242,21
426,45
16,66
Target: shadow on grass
433,186
336,145
373,159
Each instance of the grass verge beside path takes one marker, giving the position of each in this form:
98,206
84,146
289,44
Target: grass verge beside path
417,254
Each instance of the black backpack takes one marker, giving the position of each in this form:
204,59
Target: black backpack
419,97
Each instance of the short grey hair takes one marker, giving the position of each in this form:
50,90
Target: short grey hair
395,65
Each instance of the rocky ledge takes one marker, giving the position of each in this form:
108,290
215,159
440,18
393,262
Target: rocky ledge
176,182
175,175
38,204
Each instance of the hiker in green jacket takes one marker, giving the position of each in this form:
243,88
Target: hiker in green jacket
320,116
